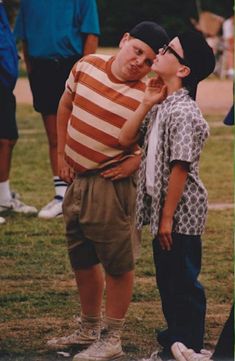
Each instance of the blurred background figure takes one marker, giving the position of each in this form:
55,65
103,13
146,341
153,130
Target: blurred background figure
54,34
216,21
8,127
228,40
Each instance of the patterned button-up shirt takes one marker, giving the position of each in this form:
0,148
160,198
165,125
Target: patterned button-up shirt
182,131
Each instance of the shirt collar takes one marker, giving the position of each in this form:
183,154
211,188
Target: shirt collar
175,96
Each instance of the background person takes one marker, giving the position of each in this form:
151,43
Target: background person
54,35
8,126
228,39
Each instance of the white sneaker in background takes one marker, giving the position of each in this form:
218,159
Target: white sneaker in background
15,205
53,209
2,220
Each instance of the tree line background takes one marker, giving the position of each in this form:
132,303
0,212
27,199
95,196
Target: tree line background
118,16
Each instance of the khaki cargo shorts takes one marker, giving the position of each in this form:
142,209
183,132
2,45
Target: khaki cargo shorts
100,216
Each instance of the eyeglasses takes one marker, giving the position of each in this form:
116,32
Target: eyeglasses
166,48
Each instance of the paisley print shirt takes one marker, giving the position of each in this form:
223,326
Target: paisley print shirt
182,131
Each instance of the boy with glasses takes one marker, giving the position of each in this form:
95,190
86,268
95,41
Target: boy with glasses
170,195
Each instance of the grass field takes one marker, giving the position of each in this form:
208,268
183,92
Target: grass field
38,294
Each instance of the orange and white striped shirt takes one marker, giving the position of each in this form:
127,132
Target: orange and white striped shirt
101,105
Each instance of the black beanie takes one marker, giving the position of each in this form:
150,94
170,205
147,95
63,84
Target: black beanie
150,33
199,57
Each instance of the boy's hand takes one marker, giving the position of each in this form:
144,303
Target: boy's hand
122,170
65,172
156,91
164,233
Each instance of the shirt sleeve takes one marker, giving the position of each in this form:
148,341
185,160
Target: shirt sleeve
19,30
89,17
181,136
70,84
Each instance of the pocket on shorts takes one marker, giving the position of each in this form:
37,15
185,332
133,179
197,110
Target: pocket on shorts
102,215
125,192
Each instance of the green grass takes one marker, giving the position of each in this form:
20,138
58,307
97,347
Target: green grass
38,293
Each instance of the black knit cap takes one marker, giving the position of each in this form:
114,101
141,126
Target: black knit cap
150,33
199,57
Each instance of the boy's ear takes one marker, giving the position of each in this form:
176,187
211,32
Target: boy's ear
124,39
183,71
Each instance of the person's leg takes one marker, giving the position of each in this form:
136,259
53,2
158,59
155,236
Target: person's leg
224,349
118,297
7,200
49,122
8,139
53,208
47,86
6,148
90,283
182,296
119,292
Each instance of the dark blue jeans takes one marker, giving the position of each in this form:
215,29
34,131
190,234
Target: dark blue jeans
182,296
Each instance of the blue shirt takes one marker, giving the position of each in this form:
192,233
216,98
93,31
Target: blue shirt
56,28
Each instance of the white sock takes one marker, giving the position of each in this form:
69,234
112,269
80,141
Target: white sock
60,186
5,193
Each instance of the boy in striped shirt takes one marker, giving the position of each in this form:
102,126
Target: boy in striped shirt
101,93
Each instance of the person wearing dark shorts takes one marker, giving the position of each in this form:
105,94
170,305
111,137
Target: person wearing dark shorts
54,36
8,126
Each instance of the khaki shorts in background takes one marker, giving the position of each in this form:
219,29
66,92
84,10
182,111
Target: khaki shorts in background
100,216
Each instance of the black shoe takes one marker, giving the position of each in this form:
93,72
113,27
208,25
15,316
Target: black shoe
163,338
166,355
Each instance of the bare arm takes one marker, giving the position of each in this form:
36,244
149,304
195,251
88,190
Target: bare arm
155,93
63,114
26,56
124,169
177,180
91,44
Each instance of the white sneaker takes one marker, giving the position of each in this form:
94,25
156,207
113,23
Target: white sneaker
182,353
109,347
15,205
53,209
2,220
87,333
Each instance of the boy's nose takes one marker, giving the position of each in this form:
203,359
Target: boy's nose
140,60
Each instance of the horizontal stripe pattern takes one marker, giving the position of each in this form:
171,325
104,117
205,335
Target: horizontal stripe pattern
100,108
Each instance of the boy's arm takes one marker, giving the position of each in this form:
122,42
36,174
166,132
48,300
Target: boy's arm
91,44
177,180
125,169
65,172
26,56
129,133
155,93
